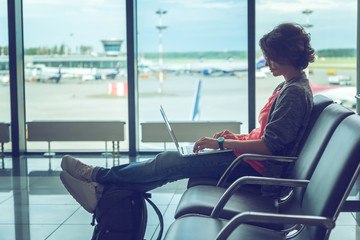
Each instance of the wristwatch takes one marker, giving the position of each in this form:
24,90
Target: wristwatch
220,141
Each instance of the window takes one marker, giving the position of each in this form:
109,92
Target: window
76,60
75,63
4,69
184,43
332,26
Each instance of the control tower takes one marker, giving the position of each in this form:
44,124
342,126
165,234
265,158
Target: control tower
112,46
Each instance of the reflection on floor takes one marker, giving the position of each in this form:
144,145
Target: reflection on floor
35,205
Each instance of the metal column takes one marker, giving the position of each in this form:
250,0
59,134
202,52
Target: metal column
131,40
251,64
16,65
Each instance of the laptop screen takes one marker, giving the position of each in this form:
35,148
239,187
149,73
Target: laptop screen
169,127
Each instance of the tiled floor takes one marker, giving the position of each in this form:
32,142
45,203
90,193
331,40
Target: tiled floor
36,206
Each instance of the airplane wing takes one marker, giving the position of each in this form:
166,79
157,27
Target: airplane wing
342,95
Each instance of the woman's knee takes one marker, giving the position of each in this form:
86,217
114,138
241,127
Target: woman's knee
168,156
168,160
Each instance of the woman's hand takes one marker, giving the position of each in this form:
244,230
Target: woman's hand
205,142
227,135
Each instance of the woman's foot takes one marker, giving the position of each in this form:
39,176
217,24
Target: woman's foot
76,168
85,193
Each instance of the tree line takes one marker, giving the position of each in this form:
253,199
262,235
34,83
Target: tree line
86,50
345,52
335,52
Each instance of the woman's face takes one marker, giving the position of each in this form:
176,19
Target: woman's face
277,69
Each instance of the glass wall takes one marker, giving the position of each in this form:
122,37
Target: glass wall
192,52
75,64
192,59
4,70
332,26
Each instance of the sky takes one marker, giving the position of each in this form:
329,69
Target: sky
191,25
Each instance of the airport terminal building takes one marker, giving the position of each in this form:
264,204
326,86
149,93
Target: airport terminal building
104,60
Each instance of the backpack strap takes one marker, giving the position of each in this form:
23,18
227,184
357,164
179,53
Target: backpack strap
93,220
147,197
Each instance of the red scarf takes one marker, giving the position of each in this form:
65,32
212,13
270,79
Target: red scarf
257,133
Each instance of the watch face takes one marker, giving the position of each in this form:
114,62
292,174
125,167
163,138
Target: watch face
220,141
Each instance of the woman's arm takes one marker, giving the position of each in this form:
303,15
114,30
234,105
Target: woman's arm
228,135
248,146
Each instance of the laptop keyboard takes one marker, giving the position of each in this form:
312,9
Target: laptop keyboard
188,149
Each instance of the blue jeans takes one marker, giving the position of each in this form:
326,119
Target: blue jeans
168,167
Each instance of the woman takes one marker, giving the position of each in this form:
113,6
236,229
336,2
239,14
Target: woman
282,121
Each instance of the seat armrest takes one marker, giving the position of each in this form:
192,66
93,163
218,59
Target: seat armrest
254,180
257,217
286,182
248,156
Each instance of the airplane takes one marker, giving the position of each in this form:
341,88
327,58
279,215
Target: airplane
57,76
97,74
234,68
228,67
316,89
40,73
114,73
261,63
218,68
146,67
261,69
344,95
195,114
341,95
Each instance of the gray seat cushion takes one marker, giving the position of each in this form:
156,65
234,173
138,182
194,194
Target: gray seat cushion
206,228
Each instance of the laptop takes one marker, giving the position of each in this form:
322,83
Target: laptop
187,150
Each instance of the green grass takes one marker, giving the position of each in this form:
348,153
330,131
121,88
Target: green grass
334,63
142,94
320,63
105,96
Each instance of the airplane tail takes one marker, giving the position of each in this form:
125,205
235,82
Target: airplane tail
195,116
261,63
117,68
113,74
57,76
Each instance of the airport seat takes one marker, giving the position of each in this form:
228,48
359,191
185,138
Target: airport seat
6,184
201,199
4,135
320,102
322,199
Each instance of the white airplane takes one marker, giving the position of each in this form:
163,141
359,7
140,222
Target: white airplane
97,74
40,73
146,66
218,68
341,95
228,67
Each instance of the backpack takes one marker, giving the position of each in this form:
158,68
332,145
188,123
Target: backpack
122,214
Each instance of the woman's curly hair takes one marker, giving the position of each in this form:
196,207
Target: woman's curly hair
288,43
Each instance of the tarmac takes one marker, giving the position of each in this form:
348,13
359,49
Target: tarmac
221,98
